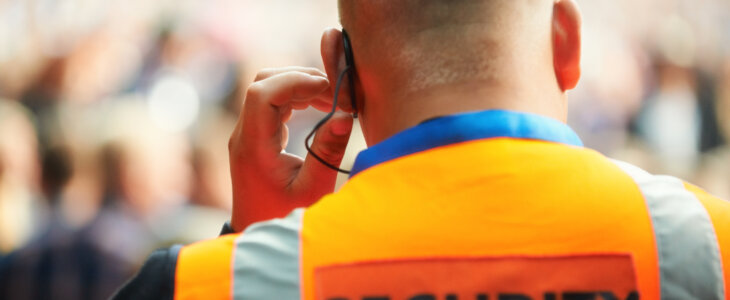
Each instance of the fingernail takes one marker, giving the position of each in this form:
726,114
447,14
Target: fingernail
320,80
316,77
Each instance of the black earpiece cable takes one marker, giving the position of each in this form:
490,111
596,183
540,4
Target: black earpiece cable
327,118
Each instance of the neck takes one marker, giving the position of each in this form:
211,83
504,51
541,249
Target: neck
408,110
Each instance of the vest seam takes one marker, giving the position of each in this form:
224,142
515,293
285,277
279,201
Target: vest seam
300,263
657,249
717,241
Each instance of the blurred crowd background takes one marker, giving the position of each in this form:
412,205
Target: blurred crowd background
115,117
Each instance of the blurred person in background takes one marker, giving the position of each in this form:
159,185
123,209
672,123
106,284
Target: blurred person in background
715,173
146,187
671,121
212,186
148,180
679,119
611,90
471,174
19,176
116,168
62,261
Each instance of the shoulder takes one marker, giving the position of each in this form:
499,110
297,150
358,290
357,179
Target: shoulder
267,259
714,204
670,198
666,186
686,219
269,238
668,189
265,255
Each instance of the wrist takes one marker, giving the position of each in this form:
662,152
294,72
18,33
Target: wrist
236,223
227,229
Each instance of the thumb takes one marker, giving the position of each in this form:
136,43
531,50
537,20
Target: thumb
329,144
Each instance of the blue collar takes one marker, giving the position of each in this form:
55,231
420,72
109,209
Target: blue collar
463,128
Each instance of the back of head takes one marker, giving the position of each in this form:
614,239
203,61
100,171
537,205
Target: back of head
418,44
420,59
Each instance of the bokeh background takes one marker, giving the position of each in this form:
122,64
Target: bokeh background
115,117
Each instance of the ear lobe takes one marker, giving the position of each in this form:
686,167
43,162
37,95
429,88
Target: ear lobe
566,31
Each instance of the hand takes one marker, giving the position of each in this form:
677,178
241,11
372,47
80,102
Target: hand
267,182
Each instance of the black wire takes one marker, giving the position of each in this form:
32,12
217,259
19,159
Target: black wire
327,118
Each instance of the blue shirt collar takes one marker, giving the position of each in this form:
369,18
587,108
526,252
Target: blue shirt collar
462,128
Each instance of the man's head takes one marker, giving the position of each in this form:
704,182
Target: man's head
407,49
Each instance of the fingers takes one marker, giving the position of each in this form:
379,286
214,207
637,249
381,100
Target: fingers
329,144
323,103
266,182
268,99
260,134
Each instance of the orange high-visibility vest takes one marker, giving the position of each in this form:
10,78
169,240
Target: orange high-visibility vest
491,205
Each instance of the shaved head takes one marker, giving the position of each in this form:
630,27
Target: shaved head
419,59
425,43
410,15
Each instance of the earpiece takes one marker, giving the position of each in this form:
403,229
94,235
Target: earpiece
349,71
350,67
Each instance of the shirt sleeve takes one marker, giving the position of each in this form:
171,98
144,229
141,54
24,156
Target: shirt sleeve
156,278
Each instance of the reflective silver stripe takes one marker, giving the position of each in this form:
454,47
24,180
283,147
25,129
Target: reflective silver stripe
266,260
690,266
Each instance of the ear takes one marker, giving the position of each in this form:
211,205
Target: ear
566,31
333,57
